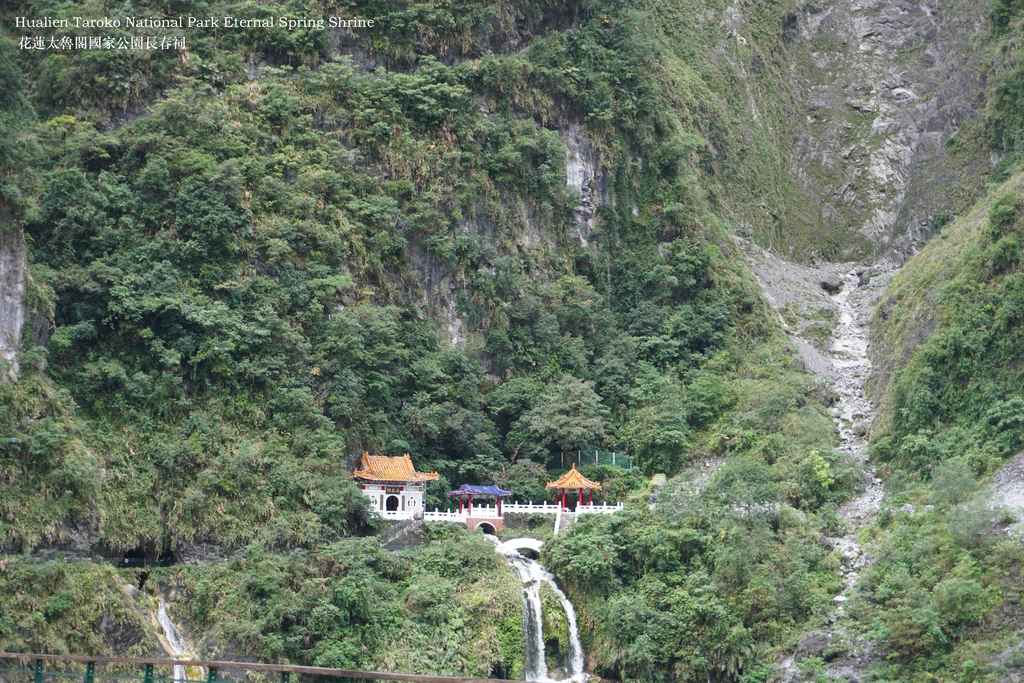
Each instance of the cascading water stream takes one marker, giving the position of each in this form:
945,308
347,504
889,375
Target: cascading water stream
178,646
532,574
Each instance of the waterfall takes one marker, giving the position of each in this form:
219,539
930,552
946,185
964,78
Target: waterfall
178,646
532,574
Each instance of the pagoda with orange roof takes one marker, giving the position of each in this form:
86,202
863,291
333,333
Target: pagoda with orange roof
574,481
393,484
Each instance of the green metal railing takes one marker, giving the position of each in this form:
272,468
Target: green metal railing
90,675
591,456
38,673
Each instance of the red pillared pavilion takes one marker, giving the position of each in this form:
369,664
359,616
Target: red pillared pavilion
574,481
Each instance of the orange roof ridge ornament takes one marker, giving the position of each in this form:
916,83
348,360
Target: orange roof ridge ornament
381,468
573,480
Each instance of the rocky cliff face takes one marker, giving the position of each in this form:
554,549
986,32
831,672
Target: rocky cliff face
13,280
584,175
883,85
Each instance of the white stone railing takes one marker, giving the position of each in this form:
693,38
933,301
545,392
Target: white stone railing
539,509
484,511
598,509
396,514
444,516
487,511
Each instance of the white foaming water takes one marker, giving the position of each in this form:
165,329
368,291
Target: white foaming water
179,648
532,574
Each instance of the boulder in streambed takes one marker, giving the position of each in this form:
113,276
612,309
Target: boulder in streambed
822,392
831,283
814,644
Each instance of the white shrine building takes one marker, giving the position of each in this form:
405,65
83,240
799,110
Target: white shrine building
393,484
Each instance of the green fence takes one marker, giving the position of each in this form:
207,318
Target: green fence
591,456
44,668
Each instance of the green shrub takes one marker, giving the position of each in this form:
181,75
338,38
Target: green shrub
1003,12
1002,212
952,483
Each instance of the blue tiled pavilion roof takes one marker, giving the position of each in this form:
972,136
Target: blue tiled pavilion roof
470,490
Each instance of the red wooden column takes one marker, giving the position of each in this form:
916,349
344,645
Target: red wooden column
590,497
470,506
581,498
499,506
460,505
563,498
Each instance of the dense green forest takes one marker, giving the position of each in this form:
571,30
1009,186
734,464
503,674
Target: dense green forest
235,281
251,260
253,281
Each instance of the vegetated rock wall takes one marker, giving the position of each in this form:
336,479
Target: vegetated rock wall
13,281
874,90
860,123
883,86
585,175
907,314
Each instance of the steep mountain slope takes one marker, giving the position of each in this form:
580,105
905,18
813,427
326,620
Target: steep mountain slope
261,276
950,417
883,86
246,262
253,280
940,598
